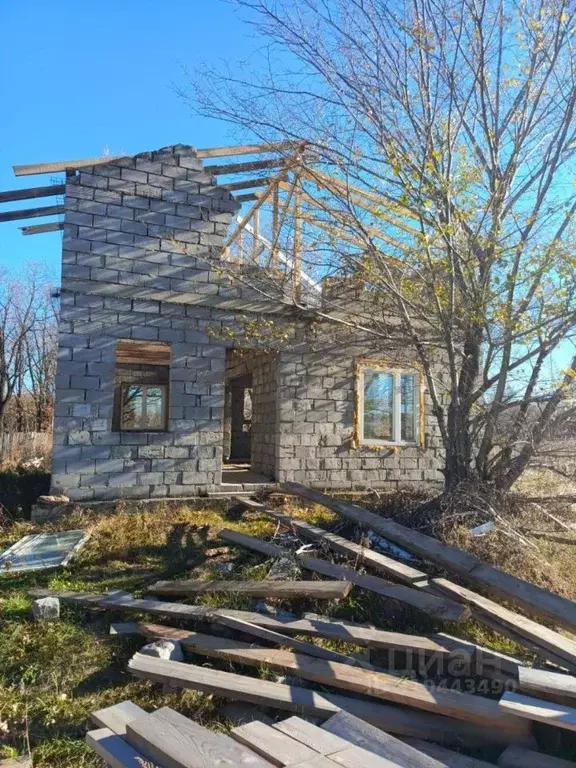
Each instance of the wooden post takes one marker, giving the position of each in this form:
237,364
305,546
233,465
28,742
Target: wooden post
255,235
297,255
275,232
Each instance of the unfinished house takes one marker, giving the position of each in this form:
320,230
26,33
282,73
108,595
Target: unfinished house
176,378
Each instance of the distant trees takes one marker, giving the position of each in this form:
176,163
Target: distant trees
28,351
448,128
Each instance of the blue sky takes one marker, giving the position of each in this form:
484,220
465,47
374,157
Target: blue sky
80,78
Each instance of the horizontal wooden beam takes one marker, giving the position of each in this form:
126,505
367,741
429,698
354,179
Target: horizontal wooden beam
32,213
39,229
246,198
253,165
27,194
70,165
327,590
257,181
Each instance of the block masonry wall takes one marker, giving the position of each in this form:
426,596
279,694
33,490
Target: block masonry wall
139,236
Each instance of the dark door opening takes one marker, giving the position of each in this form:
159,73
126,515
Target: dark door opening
239,395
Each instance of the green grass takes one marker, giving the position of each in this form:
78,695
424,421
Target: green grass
53,675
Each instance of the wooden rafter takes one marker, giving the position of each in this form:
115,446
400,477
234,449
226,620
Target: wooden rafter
253,165
260,181
27,194
32,213
63,165
38,229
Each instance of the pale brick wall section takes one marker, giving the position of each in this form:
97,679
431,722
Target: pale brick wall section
126,227
136,231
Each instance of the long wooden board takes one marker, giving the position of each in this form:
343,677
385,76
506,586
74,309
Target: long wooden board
375,560
263,633
114,750
447,610
321,590
447,757
546,639
535,600
541,681
32,213
306,701
463,706
362,635
27,194
117,716
517,757
547,712
174,741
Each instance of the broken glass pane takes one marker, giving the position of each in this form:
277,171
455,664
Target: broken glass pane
378,405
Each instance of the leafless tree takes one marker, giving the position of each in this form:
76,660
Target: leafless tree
28,348
455,120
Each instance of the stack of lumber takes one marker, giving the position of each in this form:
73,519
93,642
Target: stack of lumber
128,736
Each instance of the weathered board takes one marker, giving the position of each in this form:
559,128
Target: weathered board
541,681
532,598
271,744
320,590
117,716
516,757
304,700
114,750
547,712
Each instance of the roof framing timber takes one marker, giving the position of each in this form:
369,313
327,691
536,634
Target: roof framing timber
26,194
32,213
38,229
68,165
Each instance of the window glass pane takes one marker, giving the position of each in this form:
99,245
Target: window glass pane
132,407
407,410
378,405
154,408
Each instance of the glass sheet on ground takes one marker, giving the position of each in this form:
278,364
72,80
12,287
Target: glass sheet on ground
42,550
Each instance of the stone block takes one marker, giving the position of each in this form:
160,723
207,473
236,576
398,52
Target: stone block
46,609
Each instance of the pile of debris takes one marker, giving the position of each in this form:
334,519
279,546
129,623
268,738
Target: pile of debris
367,702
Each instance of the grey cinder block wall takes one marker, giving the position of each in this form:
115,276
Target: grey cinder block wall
137,233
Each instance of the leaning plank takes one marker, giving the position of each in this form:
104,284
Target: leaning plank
117,716
517,757
541,681
362,635
532,598
303,700
174,741
324,590
271,744
547,712
462,706
40,229
446,610
369,557
115,752
547,639
362,734
288,642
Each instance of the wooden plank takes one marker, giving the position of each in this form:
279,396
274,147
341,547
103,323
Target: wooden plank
32,213
361,554
547,712
174,741
535,600
271,744
253,165
447,757
444,610
306,701
463,706
544,683
365,636
248,197
32,192
516,757
356,757
546,639
257,181
115,752
448,611
288,642
117,716
319,740
248,149
142,352
39,229
362,734
321,590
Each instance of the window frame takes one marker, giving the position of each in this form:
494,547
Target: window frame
144,387
396,373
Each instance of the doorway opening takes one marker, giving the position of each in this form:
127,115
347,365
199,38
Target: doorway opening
250,418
